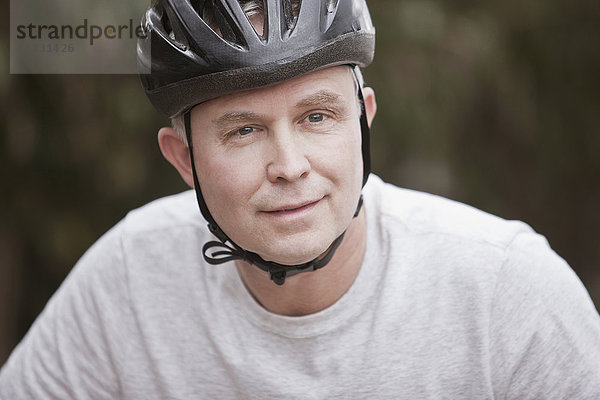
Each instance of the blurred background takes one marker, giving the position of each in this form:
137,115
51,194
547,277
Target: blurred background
495,104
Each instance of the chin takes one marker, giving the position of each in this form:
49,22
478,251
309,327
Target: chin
290,259
293,256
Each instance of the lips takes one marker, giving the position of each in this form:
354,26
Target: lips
294,207
295,210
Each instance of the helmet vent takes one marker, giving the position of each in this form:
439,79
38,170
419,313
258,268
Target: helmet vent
284,14
233,19
328,13
290,14
220,16
166,24
330,6
254,10
198,6
172,30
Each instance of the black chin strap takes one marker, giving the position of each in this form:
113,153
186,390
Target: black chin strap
222,252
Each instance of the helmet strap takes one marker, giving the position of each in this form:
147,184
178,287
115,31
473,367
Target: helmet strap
365,131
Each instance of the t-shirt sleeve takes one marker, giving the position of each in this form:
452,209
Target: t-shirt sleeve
544,329
65,354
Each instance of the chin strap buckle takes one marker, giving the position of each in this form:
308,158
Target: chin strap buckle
278,277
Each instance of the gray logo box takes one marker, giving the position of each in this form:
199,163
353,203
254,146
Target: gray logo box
75,37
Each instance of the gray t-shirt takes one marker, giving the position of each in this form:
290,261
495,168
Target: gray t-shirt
450,303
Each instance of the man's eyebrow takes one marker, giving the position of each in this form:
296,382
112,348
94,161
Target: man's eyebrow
320,98
235,116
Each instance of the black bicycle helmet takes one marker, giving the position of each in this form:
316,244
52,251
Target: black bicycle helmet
197,50
188,62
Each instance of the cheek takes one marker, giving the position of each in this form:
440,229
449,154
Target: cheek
342,157
226,181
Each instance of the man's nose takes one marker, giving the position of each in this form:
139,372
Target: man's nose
288,159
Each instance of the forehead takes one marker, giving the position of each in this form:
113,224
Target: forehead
338,80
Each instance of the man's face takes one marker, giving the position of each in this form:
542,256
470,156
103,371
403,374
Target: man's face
280,167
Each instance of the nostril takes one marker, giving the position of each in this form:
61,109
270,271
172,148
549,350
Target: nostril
288,168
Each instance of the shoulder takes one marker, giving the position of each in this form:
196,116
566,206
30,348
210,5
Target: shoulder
423,213
165,213
465,252
163,225
147,242
173,216
497,277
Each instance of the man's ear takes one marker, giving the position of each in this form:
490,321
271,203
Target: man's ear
370,103
177,153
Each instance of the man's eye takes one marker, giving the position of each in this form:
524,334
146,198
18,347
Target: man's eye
316,117
244,131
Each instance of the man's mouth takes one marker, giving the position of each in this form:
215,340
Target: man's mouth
292,209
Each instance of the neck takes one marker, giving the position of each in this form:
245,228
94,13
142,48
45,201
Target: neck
310,292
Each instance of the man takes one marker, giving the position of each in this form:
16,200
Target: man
320,294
